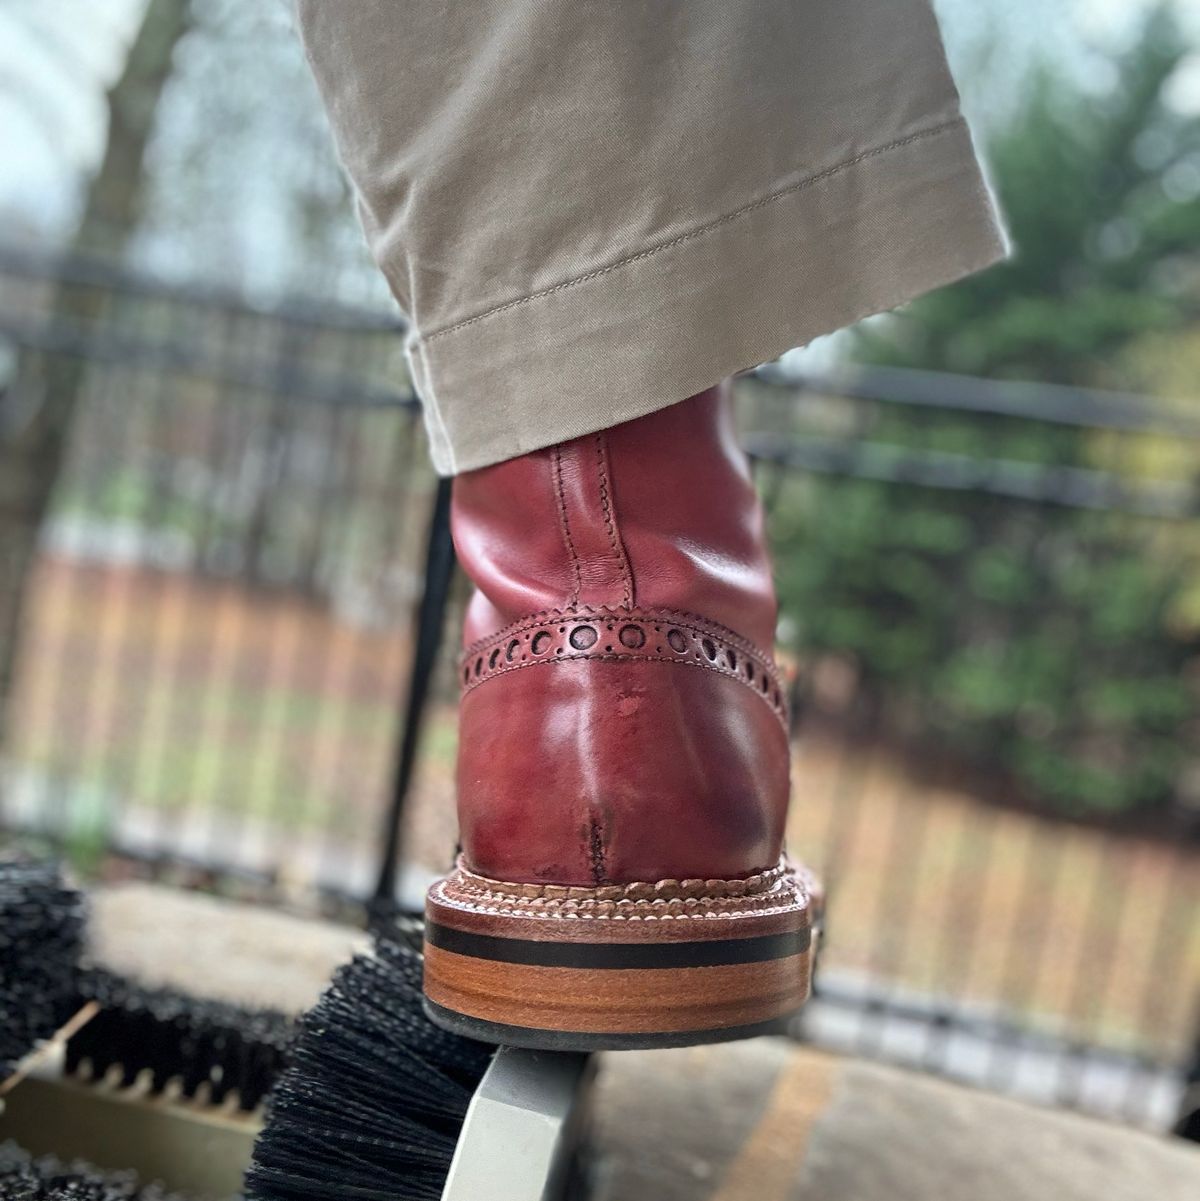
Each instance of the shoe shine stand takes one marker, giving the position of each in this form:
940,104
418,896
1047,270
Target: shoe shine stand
523,1129
527,1119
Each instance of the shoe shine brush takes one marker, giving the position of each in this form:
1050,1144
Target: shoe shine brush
41,941
26,1178
380,1104
365,1096
375,1097
65,1024
156,1036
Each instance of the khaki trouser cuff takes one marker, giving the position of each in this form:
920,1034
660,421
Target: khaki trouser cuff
662,322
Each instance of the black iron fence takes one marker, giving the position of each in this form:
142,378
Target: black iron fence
214,632
989,593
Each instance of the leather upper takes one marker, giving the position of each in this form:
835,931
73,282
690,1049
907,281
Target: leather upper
621,717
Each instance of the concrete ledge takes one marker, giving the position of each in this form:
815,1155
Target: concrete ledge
764,1120
768,1121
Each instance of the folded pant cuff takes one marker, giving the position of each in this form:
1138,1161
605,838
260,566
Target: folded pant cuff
663,322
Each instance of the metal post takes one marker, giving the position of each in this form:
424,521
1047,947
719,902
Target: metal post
430,620
1187,1122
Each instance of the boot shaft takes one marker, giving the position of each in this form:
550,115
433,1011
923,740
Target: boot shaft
622,719
657,513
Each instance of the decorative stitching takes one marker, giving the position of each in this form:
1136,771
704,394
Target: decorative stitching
609,522
638,890
762,202
680,617
633,636
572,554
514,911
787,895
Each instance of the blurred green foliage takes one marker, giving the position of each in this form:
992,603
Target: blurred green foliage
1043,642
1101,192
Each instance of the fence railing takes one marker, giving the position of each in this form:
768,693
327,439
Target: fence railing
215,631
986,594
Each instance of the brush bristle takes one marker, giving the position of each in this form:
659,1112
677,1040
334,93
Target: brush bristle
163,1038
24,1178
41,939
375,1096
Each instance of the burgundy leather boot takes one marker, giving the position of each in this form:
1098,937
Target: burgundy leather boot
623,755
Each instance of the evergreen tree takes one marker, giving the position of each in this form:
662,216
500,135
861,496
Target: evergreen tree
1101,194
1037,639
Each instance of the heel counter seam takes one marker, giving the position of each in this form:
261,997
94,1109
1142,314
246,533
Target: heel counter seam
607,509
565,525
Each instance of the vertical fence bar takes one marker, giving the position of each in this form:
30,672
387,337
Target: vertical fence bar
430,624
1187,1121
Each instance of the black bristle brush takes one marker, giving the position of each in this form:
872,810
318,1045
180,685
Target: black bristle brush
42,923
167,1038
41,941
24,1178
155,1036
374,1098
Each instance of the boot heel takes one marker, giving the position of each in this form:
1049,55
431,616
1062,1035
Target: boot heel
623,966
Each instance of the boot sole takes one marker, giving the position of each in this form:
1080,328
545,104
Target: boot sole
670,964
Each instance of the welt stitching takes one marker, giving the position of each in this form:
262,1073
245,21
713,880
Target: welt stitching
572,554
701,230
559,915
757,884
610,524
